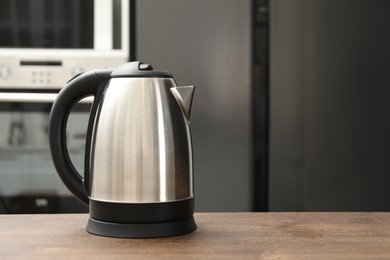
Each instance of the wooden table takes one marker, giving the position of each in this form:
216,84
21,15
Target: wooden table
219,235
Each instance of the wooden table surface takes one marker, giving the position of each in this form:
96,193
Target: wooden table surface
219,235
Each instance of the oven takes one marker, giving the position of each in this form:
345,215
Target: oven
44,43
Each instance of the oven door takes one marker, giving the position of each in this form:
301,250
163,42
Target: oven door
28,180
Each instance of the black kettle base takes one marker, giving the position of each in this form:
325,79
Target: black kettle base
144,230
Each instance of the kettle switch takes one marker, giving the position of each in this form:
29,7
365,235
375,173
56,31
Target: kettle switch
143,66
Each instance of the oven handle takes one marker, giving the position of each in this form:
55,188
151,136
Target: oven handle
18,97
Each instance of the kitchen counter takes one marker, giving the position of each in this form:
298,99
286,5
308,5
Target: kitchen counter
219,235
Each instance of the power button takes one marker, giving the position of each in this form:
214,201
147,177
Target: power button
4,72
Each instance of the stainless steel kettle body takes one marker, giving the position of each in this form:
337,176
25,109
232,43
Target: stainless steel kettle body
141,149
138,177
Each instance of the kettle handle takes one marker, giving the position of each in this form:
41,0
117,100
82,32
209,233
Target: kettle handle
79,87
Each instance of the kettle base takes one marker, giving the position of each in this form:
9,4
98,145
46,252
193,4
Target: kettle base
144,230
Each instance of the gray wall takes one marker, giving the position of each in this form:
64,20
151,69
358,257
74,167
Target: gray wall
207,44
330,105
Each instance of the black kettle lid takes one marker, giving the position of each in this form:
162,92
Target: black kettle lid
139,69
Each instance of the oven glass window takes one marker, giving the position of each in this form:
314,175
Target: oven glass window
46,24
29,182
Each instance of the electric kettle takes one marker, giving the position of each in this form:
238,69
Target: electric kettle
138,176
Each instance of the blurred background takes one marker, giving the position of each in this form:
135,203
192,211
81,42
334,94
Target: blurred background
291,103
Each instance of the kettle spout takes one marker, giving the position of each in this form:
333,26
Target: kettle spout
184,96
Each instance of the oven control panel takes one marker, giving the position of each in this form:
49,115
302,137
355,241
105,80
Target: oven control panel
50,73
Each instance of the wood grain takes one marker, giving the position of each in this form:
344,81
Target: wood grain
219,236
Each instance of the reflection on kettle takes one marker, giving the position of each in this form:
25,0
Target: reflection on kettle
138,178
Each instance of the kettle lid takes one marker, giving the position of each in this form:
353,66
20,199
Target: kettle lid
139,70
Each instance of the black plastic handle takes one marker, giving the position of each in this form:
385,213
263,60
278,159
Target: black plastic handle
86,84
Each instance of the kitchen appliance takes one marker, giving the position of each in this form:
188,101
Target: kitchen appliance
44,43
138,177
28,180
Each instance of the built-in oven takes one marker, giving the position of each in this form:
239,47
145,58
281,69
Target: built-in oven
44,43
28,180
